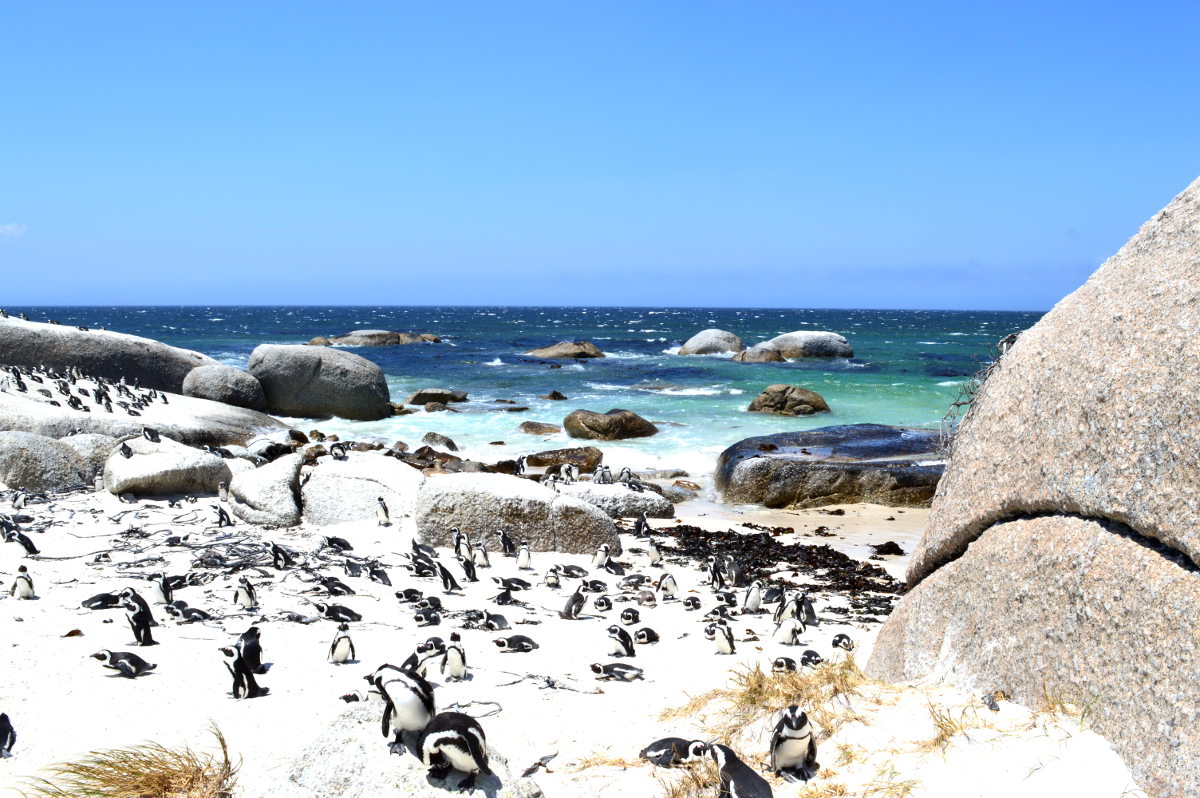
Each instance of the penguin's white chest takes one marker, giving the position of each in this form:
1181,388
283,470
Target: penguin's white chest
455,666
409,712
341,649
791,752
24,587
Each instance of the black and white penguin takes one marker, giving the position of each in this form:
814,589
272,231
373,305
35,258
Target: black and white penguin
244,594
655,556
101,601
716,575
340,545
479,554
788,632
616,670
468,566
449,584
223,491
691,603
524,560
244,684
645,636
630,616
381,512
429,603
495,622
454,662
843,642
180,609
667,586
139,618
722,635
336,612
552,579
669,752
409,594
223,519
22,586
160,590
807,613
783,665
595,586
337,450
512,583
634,581
408,703
249,646
600,558
341,650
735,571
752,602
811,659
427,617
130,665
17,536
602,603
574,604
516,644
506,543
151,434
8,736
280,558
454,741
794,746
622,642
573,571
738,780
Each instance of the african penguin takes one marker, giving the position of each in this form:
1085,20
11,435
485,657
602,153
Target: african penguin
244,684
160,590
468,566
249,646
223,491
752,603
843,642
655,555
408,704
574,604
381,512
454,663
811,659
130,665
722,635
645,636
449,584
602,603
738,780
630,616
454,741
336,612
622,642
244,594
794,745
669,752
523,557
552,579
783,665
600,558
616,670
139,621
515,644
667,586
22,586
479,553
341,650
8,737
788,632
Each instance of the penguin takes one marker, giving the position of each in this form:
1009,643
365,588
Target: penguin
506,543
223,492
811,659
429,603
139,621
460,542
180,609
17,536
622,642
788,632
843,642
8,737
722,635
409,594
669,752
516,644
244,685
22,586
340,545
351,697
381,512
495,622
454,741
408,703
616,670
752,602
574,605
727,598
20,498
645,636
101,601
249,647
735,571
794,746
634,581
512,583
789,607
160,590
336,612
223,519
717,613
655,555
427,618
479,554
783,665
130,665
449,585
523,558
648,598
738,780
602,603
630,616
376,574
125,451
572,571
600,558
468,566
337,450
716,578
807,613
454,663
552,579
280,558
341,650
595,586
244,594
667,586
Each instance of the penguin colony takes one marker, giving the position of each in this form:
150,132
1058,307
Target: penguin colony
449,741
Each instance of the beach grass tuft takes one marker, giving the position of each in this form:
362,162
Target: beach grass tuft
693,780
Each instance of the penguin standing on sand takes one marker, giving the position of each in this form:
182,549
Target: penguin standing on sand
574,604
408,703
341,650
14,535
722,635
506,543
454,662
22,586
523,558
381,512
223,519
244,594
479,554
454,741
752,603
223,491
8,737
622,642
794,746
244,685
788,632
249,646
449,584
139,621
160,590
667,586
600,558
654,554
468,566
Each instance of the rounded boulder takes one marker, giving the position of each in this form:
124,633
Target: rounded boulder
319,382
227,385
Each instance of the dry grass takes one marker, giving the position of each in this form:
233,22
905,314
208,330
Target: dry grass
600,760
947,726
144,771
694,780
887,785
823,790
850,754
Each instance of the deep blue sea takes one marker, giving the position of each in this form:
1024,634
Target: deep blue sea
907,368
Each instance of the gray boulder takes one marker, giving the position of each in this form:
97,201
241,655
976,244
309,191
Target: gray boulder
338,491
443,395
39,463
618,501
896,466
319,382
269,495
227,385
377,338
481,503
568,349
438,439
788,400
759,354
614,425
712,341
93,451
164,469
538,428
809,343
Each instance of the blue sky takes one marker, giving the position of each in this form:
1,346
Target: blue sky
952,155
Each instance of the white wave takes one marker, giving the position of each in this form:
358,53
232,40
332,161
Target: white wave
496,362
673,350
949,383
736,392
575,367
606,386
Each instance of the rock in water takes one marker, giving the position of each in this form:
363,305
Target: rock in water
39,463
225,384
443,395
376,338
712,341
268,495
614,425
809,343
538,428
833,465
759,354
586,458
318,382
568,349
1061,552
163,469
788,400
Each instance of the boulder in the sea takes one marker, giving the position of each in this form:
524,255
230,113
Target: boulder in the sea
347,490
550,521
438,439
318,382
554,396
443,395
614,425
585,458
97,353
759,354
269,495
618,501
711,342
93,451
874,463
320,340
538,428
164,468
568,349
1062,553
225,384
380,338
809,343
788,400
39,463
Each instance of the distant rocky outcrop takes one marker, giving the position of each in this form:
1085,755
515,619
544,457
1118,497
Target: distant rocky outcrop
317,383
759,354
1062,554
788,400
809,343
614,425
225,384
832,465
98,353
164,468
568,349
375,338
712,341
39,463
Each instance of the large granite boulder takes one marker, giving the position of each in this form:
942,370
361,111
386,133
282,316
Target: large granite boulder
585,458
443,395
538,428
480,504
376,338
875,463
615,425
712,341
788,400
1069,512
227,385
39,463
93,451
97,353
318,382
568,349
759,354
269,495
809,343
164,468
347,490
618,501
349,759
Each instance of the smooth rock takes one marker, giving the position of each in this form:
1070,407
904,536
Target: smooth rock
538,428
759,354
809,343
93,451
165,468
320,340
585,458
712,341
896,466
438,439
225,384
568,349
269,495
479,504
443,395
40,463
346,490
788,400
618,501
381,338
614,425
320,382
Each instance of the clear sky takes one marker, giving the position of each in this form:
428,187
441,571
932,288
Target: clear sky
894,155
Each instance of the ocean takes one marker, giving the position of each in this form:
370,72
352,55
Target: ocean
908,367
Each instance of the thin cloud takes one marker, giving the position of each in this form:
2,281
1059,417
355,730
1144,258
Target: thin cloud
13,230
